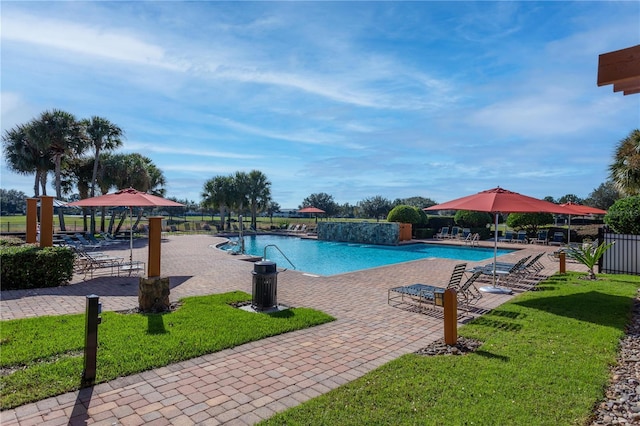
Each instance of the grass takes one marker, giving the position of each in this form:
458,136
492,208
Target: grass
44,355
545,360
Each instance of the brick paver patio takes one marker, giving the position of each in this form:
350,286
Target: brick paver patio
251,382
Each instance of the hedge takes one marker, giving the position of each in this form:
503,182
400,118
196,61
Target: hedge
29,266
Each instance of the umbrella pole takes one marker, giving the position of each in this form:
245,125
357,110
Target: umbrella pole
493,288
130,236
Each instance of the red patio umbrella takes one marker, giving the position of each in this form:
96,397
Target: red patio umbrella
126,198
499,200
582,211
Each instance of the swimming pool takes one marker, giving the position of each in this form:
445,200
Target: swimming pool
331,258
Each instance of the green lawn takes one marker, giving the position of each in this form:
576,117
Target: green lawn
45,354
544,361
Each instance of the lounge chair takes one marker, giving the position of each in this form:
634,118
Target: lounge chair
454,233
425,292
558,239
521,237
541,238
507,273
508,237
444,233
465,233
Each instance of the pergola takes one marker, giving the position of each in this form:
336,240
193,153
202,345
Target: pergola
622,69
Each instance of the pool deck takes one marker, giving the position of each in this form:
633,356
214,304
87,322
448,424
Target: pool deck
251,382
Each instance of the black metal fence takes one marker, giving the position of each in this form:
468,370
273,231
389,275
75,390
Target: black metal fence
623,257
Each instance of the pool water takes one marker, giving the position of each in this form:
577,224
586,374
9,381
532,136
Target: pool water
331,258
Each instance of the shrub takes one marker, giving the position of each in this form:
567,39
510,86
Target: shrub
437,222
29,266
624,216
10,241
404,214
470,219
530,222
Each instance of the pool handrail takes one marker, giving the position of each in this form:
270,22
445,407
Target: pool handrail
264,256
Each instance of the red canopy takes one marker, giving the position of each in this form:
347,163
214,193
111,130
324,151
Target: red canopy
126,198
311,209
583,210
500,200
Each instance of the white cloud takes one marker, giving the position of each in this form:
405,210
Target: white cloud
106,41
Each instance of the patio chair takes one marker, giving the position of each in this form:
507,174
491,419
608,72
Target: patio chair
86,243
521,237
425,292
508,237
541,238
454,233
507,273
465,233
444,233
557,239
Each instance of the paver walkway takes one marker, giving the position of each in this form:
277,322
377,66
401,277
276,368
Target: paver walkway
251,382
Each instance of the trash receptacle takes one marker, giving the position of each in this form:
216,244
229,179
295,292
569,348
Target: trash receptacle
265,285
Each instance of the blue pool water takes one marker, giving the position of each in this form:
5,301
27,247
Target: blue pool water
330,257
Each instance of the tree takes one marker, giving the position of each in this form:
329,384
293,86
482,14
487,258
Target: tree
603,196
218,194
472,219
624,216
529,221
258,193
103,136
61,136
404,214
24,156
417,201
625,169
272,207
322,201
12,201
377,207
570,198
550,199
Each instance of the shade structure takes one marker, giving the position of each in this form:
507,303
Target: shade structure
311,209
582,211
129,197
499,200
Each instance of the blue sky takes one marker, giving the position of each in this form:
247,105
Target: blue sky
355,99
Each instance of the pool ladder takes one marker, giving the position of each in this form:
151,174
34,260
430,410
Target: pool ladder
264,256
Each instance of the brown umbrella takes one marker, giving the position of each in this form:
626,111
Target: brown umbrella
311,209
499,200
126,198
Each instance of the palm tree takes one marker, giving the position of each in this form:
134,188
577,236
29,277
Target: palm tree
103,136
218,193
625,170
258,193
60,135
24,156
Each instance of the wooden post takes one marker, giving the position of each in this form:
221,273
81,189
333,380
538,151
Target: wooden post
46,221
563,262
32,220
450,317
155,237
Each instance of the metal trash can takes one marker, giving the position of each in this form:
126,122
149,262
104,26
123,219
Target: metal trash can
265,286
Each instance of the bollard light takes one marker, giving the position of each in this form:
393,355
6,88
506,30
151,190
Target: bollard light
92,320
